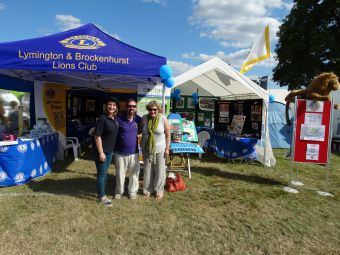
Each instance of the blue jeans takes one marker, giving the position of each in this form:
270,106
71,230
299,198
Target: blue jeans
102,173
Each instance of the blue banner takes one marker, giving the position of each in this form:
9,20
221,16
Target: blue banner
83,49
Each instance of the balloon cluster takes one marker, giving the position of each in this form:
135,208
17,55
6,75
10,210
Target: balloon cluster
176,94
195,98
165,72
271,98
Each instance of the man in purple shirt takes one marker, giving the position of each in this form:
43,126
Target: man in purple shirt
126,152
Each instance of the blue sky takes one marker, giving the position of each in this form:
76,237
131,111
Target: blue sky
186,32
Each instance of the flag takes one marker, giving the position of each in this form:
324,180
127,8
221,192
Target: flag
262,82
259,51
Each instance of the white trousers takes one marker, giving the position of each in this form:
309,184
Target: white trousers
127,166
154,173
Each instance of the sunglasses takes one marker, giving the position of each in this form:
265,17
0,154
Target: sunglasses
132,106
153,110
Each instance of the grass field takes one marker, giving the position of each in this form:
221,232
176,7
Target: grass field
228,208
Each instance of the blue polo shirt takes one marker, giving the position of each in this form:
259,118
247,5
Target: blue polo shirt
127,135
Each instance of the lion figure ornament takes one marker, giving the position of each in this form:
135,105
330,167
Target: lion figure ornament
318,90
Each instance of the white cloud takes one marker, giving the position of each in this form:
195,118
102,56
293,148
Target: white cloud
179,67
2,6
67,22
235,59
235,23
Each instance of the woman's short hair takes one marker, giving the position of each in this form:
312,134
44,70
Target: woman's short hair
153,104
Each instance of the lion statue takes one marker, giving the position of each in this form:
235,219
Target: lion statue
318,90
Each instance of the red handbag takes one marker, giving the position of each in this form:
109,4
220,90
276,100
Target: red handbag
177,184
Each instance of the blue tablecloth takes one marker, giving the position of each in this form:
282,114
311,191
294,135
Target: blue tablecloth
27,160
230,146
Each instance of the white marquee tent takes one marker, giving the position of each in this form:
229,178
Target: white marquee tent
216,78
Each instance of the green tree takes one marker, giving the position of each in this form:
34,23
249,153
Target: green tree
309,42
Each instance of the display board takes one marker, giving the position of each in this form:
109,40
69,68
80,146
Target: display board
251,109
312,127
202,114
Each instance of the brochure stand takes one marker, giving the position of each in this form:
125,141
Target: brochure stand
311,138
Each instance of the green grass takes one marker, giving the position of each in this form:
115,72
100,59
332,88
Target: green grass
228,208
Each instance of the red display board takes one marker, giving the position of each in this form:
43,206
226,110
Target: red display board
312,128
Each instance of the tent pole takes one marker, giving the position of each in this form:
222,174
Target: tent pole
265,134
163,101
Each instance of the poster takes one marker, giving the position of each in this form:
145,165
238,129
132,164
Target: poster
200,116
90,105
256,113
207,103
180,103
50,103
313,118
175,125
224,110
312,152
207,122
190,103
314,106
313,132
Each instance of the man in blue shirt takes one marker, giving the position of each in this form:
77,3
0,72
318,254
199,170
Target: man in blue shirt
126,152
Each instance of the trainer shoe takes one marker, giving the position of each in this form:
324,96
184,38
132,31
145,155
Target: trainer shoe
117,196
105,201
133,196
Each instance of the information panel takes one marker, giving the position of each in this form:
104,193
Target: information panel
312,131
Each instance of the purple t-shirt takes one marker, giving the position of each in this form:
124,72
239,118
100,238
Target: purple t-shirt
127,135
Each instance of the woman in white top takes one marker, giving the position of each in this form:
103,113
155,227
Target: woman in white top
155,145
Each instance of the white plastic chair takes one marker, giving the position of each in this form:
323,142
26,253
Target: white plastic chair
66,143
203,137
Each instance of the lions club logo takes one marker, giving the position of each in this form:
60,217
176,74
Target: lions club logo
83,42
3,176
22,148
50,93
19,177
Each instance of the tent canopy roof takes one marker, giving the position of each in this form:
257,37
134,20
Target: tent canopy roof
216,78
84,56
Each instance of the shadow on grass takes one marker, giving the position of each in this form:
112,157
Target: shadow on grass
77,187
235,176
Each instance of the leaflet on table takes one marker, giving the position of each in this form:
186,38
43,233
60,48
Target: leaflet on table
314,106
189,129
312,152
237,124
313,118
313,132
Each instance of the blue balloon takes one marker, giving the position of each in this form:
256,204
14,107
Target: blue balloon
271,98
163,81
172,95
178,97
169,83
177,91
194,95
165,72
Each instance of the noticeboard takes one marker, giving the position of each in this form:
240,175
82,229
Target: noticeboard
312,131
251,109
